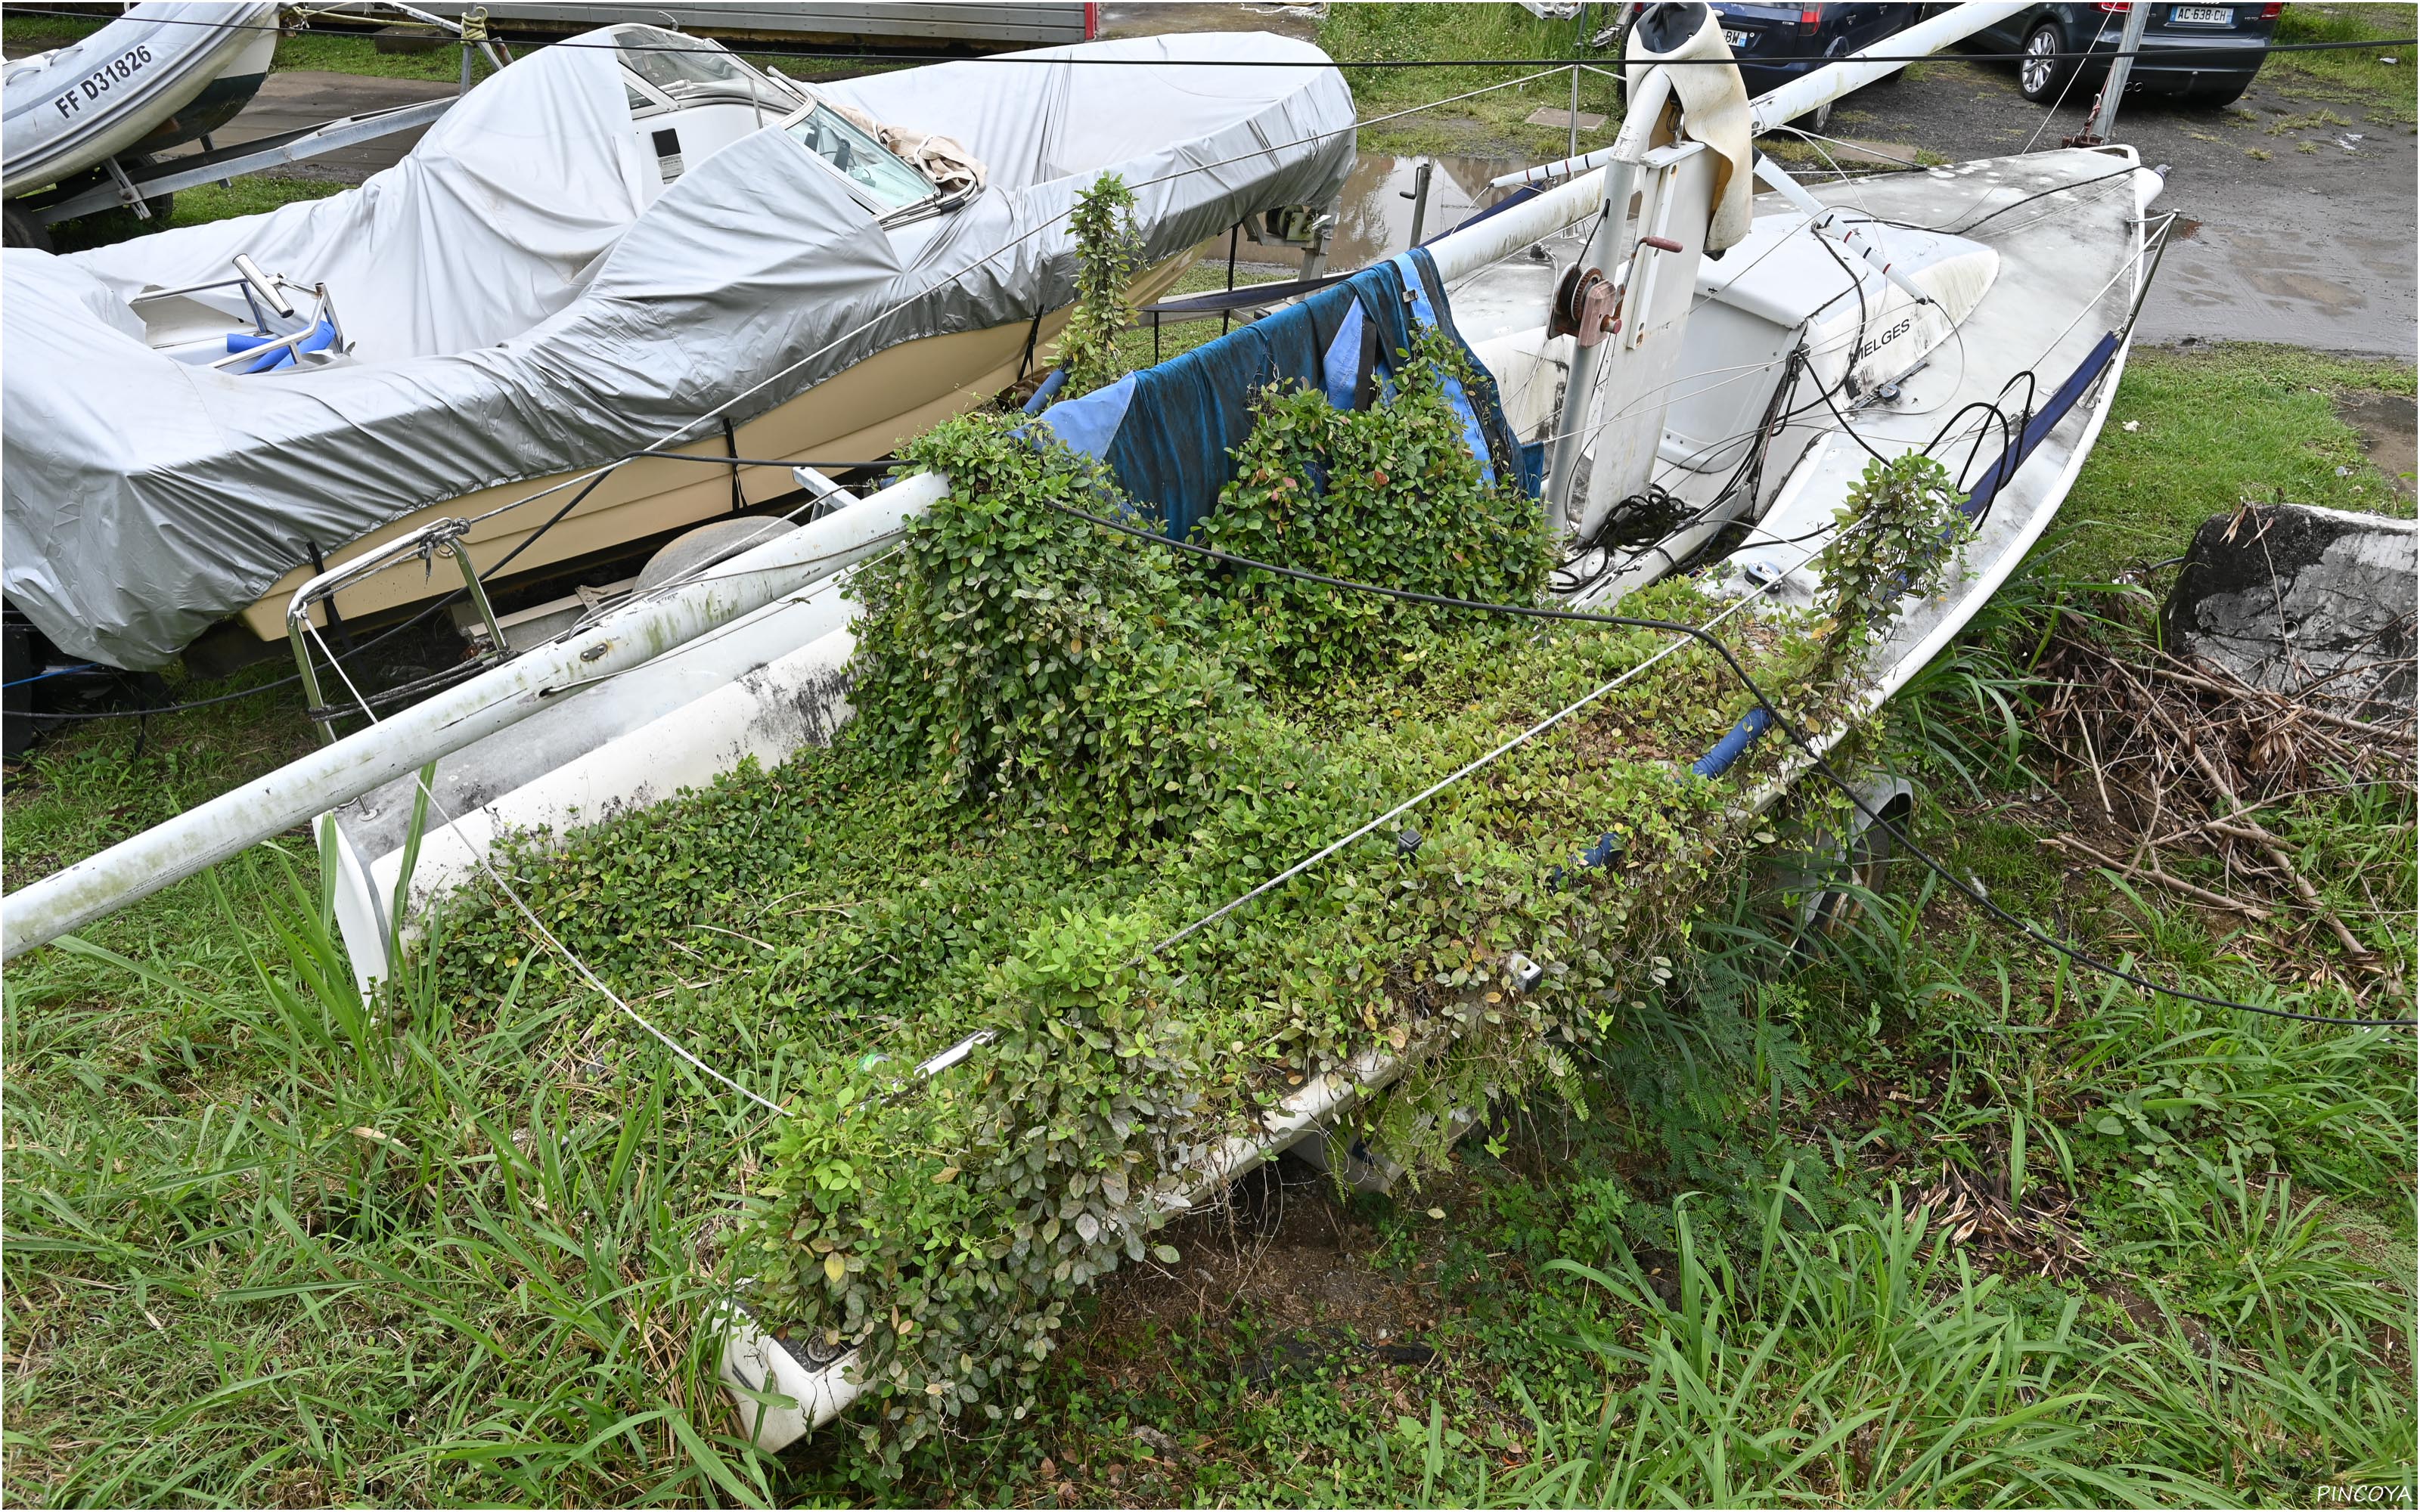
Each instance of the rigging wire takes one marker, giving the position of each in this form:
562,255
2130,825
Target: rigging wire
1523,738
1554,64
1014,242
445,601
594,476
2051,115
597,476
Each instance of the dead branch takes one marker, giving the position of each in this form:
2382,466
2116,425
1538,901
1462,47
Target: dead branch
2154,875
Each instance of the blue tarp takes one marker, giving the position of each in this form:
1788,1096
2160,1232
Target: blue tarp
1166,432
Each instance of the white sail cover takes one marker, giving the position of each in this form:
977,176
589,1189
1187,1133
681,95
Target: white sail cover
516,312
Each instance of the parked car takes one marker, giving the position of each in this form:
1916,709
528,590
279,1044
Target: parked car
2208,53
1774,44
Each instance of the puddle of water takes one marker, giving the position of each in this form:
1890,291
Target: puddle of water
1373,218
2387,430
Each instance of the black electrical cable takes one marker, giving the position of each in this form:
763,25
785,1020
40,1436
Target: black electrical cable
2043,193
757,461
287,681
2014,204
1992,412
529,39
1771,425
1780,721
1747,473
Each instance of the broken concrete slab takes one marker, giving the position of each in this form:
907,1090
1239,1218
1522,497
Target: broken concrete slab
1550,115
2305,601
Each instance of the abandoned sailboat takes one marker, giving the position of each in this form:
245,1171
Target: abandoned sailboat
1701,374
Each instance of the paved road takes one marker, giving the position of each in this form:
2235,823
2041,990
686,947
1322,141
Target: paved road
288,102
2313,248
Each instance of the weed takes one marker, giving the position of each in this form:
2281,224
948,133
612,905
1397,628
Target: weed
2357,76
1109,249
2234,422
343,1219
2309,120
457,1247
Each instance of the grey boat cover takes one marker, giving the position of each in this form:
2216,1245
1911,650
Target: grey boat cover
516,313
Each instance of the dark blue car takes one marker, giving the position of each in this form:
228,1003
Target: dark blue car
1775,44
2207,54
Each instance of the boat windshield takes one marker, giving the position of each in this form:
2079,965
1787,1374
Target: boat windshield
675,63
867,162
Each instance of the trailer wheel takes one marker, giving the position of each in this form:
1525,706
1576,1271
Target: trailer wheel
23,230
1863,858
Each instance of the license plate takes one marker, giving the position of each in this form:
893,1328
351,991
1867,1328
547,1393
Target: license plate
1735,40
2203,15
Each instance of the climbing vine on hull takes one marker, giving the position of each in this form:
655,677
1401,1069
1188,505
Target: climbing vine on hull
1897,534
1386,495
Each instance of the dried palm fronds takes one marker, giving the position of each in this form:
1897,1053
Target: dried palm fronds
2036,1226
2184,755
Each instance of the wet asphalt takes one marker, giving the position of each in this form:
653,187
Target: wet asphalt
2310,247
302,97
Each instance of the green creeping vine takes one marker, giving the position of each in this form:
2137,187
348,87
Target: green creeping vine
1034,662
1389,494
1898,534
1067,747
951,1226
1109,249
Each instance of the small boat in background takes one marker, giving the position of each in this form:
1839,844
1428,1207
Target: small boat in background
156,77
610,242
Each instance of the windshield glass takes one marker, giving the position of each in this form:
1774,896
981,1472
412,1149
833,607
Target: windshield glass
867,162
673,63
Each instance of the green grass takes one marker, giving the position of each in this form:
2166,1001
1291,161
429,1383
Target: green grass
2357,76
230,1211
254,195
495,1300
333,52
1491,125
1140,346
35,33
2215,427
356,53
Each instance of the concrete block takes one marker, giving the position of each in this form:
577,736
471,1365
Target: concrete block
2283,595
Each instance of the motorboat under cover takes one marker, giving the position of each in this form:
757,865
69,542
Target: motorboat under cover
516,305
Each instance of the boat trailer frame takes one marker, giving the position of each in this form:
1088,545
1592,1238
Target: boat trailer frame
122,188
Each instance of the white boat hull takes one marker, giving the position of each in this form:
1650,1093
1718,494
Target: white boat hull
73,108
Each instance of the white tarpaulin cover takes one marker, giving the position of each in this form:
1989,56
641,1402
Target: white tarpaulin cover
518,309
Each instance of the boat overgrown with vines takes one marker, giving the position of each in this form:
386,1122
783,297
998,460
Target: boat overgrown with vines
1314,743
